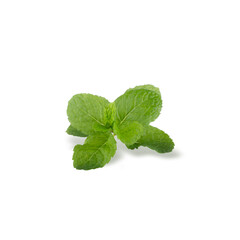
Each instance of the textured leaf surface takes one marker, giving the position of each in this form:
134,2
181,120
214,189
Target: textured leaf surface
87,113
155,139
74,132
129,132
97,151
110,113
140,105
147,87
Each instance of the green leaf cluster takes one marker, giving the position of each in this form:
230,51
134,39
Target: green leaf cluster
128,117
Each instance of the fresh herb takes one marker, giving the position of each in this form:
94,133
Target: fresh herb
128,117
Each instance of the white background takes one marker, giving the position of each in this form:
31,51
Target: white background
51,50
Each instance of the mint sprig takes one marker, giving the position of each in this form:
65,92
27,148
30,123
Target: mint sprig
128,117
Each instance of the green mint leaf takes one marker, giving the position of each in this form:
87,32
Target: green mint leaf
86,113
147,87
97,151
110,113
128,132
155,139
74,132
128,117
140,105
